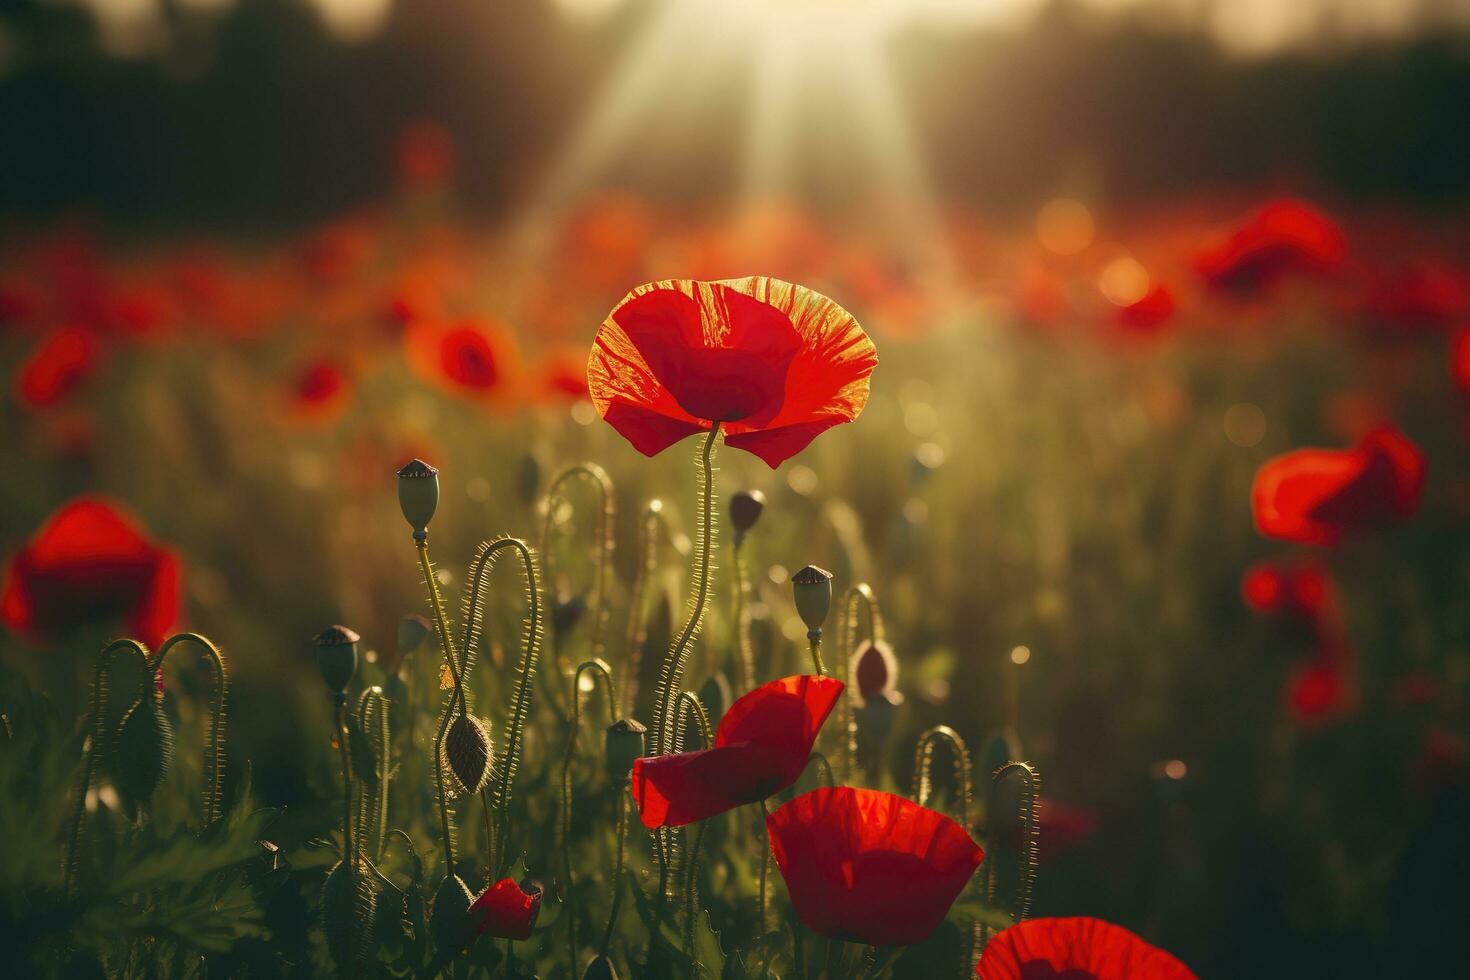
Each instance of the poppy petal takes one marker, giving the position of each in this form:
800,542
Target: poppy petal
505,911
1075,949
785,713
674,790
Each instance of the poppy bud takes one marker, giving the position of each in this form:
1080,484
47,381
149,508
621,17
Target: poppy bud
467,750
412,630
449,919
601,968
345,913
714,694
1004,746
878,714
745,510
418,495
624,747
144,750
364,763
874,668
336,656
812,588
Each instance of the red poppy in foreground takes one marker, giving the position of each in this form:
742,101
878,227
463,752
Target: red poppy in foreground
870,867
63,360
1075,949
1283,238
1314,496
91,563
761,746
774,363
506,910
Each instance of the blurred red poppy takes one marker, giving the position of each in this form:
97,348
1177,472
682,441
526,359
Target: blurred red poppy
507,910
90,562
1423,295
321,391
425,152
761,746
1149,313
1300,588
866,866
1460,359
1075,949
1317,691
1314,496
564,376
466,356
1285,237
65,358
776,364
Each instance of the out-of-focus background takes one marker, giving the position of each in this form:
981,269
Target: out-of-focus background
1115,254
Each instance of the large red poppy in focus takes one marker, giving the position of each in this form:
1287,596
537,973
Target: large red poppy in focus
505,910
1075,949
776,364
91,563
761,746
1314,496
870,867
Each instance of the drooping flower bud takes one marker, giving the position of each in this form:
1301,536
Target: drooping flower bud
467,749
875,669
336,656
449,919
745,510
144,750
412,631
348,904
418,495
812,589
625,745
601,968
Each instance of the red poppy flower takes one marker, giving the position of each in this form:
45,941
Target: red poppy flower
1424,295
564,376
1150,312
466,357
506,910
321,391
776,364
870,867
63,361
761,746
1317,692
1460,359
1299,588
90,562
1075,949
1314,496
1283,238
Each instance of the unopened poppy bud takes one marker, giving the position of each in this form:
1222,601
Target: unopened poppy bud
336,656
812,589
875,668
449,919
412,630
348,904
418,495
625,739
467,749
601,968
745,510
714,694
144,750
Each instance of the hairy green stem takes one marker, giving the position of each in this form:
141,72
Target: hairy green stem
372,706
617,878
602,539
1030,791
212,795
597,667
847,647
446,643
690,707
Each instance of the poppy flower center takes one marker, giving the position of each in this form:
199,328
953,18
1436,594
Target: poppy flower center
469,360
724,384
1042,970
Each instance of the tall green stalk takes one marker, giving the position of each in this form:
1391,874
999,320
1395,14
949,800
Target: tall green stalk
596,667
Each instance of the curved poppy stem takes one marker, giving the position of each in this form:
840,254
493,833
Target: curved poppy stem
814,646
373,814
652,524
87,775
349,841
603,543
691,708
761,906
446,643
923,785
617,879
1030,791
597,667
847,624
212,795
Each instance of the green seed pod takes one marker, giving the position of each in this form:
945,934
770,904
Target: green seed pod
336,656
144,750
467,749
745,510
625,739
812,589
449,919
601,968
347,914
412,631
418,495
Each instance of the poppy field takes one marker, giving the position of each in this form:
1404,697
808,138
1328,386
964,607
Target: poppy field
733,588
